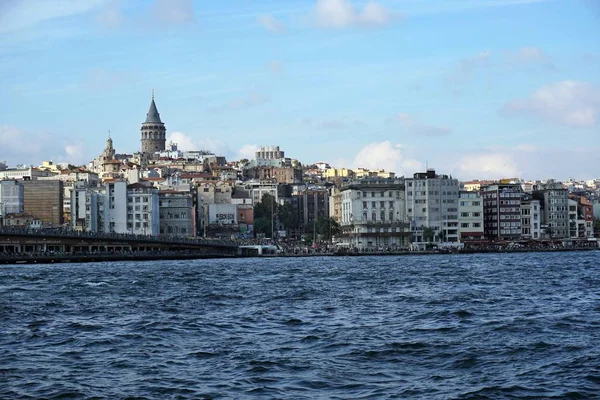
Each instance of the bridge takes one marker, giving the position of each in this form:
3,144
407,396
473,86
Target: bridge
58,245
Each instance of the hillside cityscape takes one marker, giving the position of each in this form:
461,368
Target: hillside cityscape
163,191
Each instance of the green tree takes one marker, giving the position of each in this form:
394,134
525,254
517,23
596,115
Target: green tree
327,227
428,234
262,225
549,231
442,236
288,217
266,208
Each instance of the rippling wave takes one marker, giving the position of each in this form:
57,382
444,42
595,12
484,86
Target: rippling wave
488,326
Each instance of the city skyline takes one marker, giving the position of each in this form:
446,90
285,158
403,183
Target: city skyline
477,89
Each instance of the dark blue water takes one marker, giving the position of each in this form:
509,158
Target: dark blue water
425,327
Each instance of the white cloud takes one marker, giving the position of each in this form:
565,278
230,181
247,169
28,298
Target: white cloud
385,155
247,151
489,165
418,128
571,103
526,161
31,148
338,14
173,12
271,24
189,143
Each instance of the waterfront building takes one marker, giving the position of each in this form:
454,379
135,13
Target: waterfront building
554,199
153,131
335,203
581,217
11,197
85,207
43,199
432,203
470,216
177,213
143,211
373,214
502,211
531,221
310,204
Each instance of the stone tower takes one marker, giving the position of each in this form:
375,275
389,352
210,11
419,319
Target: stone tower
153,131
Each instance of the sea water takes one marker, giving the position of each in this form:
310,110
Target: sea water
479,326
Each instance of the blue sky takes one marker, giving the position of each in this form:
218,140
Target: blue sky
474,88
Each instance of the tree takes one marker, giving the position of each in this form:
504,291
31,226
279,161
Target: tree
266,207
442,236
549,231
288,217
262,225
428,234
327,227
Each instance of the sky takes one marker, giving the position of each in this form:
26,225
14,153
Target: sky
478,89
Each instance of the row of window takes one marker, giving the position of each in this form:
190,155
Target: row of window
470,224
473,203
381,204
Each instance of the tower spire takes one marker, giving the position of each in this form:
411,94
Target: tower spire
152,94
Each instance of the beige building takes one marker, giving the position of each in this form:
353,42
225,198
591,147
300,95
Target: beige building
44,200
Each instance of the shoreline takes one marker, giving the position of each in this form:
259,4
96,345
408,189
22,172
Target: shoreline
86,258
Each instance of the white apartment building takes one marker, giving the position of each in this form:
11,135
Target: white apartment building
432,202
373,214
114,210
470,216
143,211
11,197
86,205
257,189
531,218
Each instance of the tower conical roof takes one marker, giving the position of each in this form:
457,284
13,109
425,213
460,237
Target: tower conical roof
153,115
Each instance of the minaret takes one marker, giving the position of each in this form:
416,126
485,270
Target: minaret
153,131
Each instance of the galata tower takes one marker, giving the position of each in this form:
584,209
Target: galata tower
153,131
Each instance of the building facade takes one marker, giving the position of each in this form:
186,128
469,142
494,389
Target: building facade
470,216
531,221
372,214
177,214
432,202
11,197
554,199
44,200
502,211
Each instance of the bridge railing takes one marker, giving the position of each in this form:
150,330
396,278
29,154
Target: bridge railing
70,233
